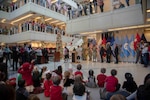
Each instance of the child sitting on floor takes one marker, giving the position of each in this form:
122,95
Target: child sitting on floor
47,84
55,89
91,80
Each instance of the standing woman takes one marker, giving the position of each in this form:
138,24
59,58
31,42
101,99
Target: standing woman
94,53
100,3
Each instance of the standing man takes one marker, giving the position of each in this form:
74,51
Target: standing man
108,53
102,51
15,57
145,55
116,52
95,5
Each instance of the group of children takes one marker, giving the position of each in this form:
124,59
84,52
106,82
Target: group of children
58,85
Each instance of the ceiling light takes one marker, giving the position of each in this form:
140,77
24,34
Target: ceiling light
148,19
37,18
131,27
48,19
54,21
14,0
54,1
148,10
60,23
21,18
25,41
3,20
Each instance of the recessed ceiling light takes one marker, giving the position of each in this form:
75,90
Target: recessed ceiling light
148,10
148,19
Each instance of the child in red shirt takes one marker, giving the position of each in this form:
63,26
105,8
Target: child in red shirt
47,84
78,72
112,84
101,81
101,78
55,89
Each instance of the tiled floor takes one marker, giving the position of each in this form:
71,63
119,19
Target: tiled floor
137,70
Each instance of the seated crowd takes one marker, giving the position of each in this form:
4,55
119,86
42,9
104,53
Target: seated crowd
57,85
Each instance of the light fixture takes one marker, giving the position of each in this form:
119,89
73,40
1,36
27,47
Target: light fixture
14,0
148,10
54,1
48,19
60,23
147,29
3,20
37,18
131,27
148,19
21,18
25,41
54,21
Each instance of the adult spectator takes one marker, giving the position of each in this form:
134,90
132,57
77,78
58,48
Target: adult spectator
21,92
79,53
1,54
129,85
127,2
100,3
7,92
95,5
116,52
145,54
102,51
15,57
143,91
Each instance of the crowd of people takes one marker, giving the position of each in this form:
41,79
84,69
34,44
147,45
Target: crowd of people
83,8
31,26
59,84
17,55
110,53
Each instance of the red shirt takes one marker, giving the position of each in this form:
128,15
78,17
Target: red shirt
78,73
26,71
55,92
47,85
101,80
111,83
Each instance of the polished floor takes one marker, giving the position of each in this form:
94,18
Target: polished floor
137,70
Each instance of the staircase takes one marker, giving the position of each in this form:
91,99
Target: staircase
74,44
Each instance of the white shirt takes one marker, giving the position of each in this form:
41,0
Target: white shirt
75,97
79,51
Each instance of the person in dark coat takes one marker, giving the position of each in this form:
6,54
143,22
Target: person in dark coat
108,53
15,56
116,52
102,51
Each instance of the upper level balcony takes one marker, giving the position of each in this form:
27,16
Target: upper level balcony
31,8
128,16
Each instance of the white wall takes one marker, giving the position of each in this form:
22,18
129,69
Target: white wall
33,36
